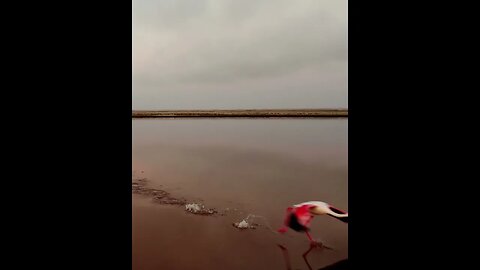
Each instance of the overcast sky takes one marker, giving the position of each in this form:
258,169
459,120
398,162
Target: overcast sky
218,54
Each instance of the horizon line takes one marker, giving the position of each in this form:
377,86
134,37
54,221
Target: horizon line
245,113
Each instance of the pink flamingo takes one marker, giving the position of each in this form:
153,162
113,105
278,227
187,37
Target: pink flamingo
299,216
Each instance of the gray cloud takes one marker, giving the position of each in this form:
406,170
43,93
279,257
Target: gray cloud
229,50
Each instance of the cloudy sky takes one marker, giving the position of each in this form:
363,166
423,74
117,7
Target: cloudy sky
218,54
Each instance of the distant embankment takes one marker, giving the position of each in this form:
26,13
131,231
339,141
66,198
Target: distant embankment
241,113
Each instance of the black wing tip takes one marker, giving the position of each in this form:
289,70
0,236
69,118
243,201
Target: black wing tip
295,225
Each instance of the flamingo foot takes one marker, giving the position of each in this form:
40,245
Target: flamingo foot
320,245
316,244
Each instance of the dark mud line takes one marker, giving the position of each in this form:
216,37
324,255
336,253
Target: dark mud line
258,113
140,187
159,196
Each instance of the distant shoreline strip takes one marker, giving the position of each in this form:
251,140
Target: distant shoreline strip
303,113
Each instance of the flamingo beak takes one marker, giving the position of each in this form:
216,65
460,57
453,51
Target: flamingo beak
343,219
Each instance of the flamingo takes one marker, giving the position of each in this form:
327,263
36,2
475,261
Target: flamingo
299,216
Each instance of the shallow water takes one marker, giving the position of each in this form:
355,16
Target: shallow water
240,167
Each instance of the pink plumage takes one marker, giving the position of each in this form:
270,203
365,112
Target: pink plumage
298,217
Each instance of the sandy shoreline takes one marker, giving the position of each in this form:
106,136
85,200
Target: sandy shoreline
290,113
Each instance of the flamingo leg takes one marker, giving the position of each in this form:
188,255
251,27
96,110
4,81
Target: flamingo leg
309,237
285,256
313,242
304,255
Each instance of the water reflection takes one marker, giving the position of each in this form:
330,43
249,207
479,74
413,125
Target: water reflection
286,256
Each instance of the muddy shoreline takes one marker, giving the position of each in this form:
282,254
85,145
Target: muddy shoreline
159,196
290,113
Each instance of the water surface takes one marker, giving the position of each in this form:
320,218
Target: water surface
245,166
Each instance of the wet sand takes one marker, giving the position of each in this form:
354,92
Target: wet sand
237,167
